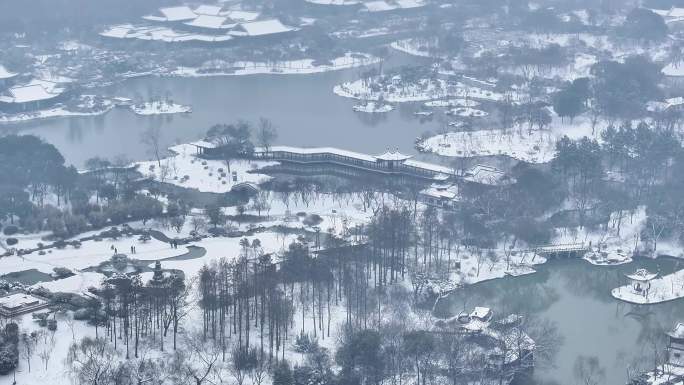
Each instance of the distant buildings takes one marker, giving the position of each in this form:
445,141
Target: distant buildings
675,346
203,24
6,77
19,303
34,95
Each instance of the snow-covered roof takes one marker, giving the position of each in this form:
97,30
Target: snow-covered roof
480,312
406,4
5,73
486,175
210,22
674,102
641,275
203,143
35,91
242,16
392,155
322,150
180,13
334,2
212,10
18,300
160,34
262,27
429,166
382,5
117,31
448,192
678,331
378,6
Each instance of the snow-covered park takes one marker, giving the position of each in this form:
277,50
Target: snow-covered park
184,169
534,147
420,91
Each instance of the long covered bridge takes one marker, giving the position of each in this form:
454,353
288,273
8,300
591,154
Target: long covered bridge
388,163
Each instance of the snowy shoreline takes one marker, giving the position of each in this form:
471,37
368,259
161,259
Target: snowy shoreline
291,67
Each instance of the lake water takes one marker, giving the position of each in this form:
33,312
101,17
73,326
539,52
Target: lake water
303,107
575,297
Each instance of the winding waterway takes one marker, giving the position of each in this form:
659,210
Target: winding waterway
575,297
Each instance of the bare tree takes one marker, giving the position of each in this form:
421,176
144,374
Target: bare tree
588,371
151,137
29,341
92,361
198,223
198,363
47,340
266,133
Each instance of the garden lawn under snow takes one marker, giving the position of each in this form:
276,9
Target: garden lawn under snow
184,169
479,267
337,213
229,248
665,288
91,253
535,147
302,66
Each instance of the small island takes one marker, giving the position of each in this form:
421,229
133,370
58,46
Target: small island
160,107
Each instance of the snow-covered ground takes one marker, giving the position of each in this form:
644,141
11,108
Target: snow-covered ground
90,253
478,267
337,213
373,107
77,284
665,288
159,107
85,106
535,147
467,112
184,169
228,248
302,66
415,47
608,246
423,90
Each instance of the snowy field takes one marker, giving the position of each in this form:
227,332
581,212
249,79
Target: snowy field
535,147
302,66
337,213
228,248
184,169
91,253
479,267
